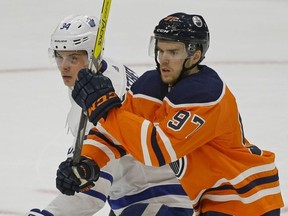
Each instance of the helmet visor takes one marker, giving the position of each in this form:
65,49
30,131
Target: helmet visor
167,49
69,58
51,55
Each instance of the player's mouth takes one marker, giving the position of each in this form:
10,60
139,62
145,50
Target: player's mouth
165,71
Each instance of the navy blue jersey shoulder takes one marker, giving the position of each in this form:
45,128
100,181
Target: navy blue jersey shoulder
202,87
150,84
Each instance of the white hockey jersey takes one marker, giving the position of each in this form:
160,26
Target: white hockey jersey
124,182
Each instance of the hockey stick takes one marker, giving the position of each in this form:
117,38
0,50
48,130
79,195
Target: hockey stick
94,66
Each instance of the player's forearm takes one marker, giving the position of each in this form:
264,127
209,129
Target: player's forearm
134,133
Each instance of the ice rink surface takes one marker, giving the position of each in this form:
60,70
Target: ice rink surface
249,44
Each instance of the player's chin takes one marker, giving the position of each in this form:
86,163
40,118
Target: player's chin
166,79
68,83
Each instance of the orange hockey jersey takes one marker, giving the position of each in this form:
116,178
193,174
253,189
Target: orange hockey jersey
196,128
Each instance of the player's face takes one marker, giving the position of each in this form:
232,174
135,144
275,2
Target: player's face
69,64
171,56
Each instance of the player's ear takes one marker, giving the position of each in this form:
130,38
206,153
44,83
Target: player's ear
196,56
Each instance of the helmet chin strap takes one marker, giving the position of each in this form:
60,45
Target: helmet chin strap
184,71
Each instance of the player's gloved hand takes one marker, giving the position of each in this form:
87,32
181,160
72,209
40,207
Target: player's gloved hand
38,212
95,93
76,178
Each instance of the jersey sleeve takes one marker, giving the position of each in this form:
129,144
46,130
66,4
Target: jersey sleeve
101,148
162,142
164,139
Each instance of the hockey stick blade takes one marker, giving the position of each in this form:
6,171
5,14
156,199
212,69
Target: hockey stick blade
94,66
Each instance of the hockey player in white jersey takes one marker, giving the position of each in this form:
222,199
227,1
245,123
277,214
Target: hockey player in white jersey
128,186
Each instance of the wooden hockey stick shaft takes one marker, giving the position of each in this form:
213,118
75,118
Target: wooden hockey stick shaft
94,66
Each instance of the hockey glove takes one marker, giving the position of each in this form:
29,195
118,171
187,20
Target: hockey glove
95,93
38,212
76,178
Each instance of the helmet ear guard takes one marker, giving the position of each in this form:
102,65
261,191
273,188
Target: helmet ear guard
192,47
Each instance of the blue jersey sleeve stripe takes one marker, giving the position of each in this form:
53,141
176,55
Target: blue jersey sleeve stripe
96,194
152,192
106,176
135,210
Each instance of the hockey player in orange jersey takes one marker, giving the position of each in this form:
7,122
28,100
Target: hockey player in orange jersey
184,115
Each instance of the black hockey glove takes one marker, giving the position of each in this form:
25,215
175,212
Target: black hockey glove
77,178
95,93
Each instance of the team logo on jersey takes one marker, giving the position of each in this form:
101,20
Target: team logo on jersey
197,21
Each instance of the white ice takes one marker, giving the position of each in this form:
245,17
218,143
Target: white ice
249,43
